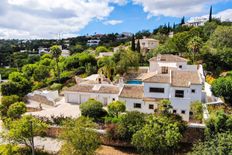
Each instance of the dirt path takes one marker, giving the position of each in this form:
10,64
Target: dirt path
108,150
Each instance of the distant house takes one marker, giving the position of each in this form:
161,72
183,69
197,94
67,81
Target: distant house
196,21
93,42
43,50
65,53
105,54
168,77
148,43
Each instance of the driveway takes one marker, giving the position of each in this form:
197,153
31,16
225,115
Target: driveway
62,108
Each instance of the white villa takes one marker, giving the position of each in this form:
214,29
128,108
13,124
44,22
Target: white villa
168,77
148,43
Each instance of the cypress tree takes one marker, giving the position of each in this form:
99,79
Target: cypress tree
182,21
210,13
138,46
133,43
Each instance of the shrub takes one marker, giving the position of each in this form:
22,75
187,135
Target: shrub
93,109
56,86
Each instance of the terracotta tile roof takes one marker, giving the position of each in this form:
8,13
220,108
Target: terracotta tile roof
109,89
105,89
185,78
168,58
177,78
132,91
157,78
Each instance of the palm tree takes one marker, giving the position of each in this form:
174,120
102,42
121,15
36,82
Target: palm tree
56,52
194,45
108,67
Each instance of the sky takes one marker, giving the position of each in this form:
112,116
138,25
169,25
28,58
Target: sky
49,19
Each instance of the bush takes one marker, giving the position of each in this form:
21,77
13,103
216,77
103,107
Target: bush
197,110
93,109
56,86
16,110
116,107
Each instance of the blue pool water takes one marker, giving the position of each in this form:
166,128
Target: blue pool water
134,82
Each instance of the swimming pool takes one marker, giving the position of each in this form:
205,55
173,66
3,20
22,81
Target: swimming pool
134,82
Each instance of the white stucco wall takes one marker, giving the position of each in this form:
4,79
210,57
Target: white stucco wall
144,105
78,98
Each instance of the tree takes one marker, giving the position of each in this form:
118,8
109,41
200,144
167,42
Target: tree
79,137
179,42
16,110
217,123
210,13
197,110
56,52
159,134
221,38
164,107
220,144
222,87
93,109
138,46
130,123
7,101
124,60
194,45
133,43
182,21
116,107
41,72
23,131
107,67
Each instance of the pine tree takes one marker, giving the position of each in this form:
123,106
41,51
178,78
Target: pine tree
182,21
138,46
210,13
133,43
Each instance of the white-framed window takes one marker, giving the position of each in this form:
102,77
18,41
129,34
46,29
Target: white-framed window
156,90
151,106
193,91
179,93
137,105
182,111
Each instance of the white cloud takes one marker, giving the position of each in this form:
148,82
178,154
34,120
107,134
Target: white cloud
112,22
175,8
48,18
225,15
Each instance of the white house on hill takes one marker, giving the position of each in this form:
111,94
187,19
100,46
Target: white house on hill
169,77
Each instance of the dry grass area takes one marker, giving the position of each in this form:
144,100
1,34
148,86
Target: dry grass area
108,150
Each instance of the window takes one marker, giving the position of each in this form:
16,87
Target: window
180,66
164,70
113,99
174,111
193,90
179,93
182,111
151,106
137,105
156,90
